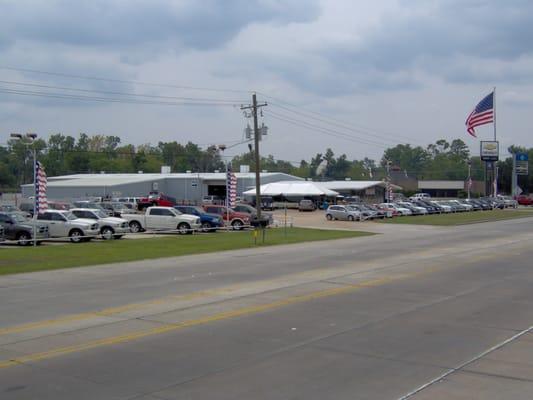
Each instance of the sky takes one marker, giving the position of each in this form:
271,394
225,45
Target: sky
350,75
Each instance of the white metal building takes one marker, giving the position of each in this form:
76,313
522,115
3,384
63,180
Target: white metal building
182,186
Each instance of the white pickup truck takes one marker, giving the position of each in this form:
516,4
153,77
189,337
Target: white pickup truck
163,219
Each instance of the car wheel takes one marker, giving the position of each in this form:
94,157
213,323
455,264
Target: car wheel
237,225
206,227
184,228
350,218
107,233
135,227
24,239
76,236
329,217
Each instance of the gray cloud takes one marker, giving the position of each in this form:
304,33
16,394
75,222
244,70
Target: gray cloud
100,23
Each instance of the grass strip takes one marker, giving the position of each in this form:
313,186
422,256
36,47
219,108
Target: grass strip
49,256
463,218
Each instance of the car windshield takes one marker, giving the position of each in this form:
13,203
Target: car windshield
199,210
100,214
69,215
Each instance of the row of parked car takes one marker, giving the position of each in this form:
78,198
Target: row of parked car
85,220
416,206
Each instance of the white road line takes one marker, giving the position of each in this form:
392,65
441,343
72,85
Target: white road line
461,366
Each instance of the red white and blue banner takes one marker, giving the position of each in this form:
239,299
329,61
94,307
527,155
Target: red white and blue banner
481,115
41,202
231,188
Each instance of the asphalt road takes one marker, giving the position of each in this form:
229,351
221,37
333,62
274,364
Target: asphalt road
421,313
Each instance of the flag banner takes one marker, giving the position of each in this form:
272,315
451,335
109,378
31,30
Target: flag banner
41,202
231,188
482,114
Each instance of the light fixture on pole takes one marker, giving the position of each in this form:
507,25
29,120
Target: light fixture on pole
30,139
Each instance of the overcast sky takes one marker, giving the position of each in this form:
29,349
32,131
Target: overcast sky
346,74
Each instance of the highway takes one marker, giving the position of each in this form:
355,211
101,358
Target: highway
414,312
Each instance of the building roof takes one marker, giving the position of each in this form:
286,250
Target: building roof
99,180
441,185
355,185
294,188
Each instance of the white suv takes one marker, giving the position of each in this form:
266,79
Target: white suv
420,196
110,227
62,224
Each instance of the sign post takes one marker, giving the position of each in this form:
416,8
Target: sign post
489,152
520,167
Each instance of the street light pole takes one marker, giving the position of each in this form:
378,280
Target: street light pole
469,183
31,137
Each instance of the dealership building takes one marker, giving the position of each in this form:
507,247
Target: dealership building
182,186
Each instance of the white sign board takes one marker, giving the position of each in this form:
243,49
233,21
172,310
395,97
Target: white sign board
490,151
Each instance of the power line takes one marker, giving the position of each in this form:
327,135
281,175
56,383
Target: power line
109,99
333,121
131,82
120,93
326,131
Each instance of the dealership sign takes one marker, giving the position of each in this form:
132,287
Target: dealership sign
521,163
489,151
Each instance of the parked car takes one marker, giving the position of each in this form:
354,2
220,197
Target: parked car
211,199
472,203
27,208
163,219
485,205
401,210
209,222
16,227
366,213
461,207
343,213
89,204
110,227
306,205
381,214
416,210
266,218
446,208
508,201
59,205
524,200
115,208
420,196
431,209
62,224
236,220
156,199
8,208
388,209
2,236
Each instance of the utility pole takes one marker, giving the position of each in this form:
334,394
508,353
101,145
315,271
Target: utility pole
469,182
257,135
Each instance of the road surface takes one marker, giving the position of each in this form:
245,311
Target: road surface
420,313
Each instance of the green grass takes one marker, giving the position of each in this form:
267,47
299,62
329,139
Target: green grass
49,257
460,218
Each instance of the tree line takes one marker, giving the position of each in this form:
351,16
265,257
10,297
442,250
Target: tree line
62,154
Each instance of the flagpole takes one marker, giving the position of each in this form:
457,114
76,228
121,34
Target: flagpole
494,168
35,197
494,107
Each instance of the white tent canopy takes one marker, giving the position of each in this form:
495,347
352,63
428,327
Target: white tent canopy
293,188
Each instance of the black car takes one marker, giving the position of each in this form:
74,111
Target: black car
18,228
432,209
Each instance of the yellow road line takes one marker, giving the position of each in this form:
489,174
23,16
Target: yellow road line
190,323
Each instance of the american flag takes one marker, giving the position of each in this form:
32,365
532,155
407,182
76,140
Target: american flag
482,114
231,188
41,202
